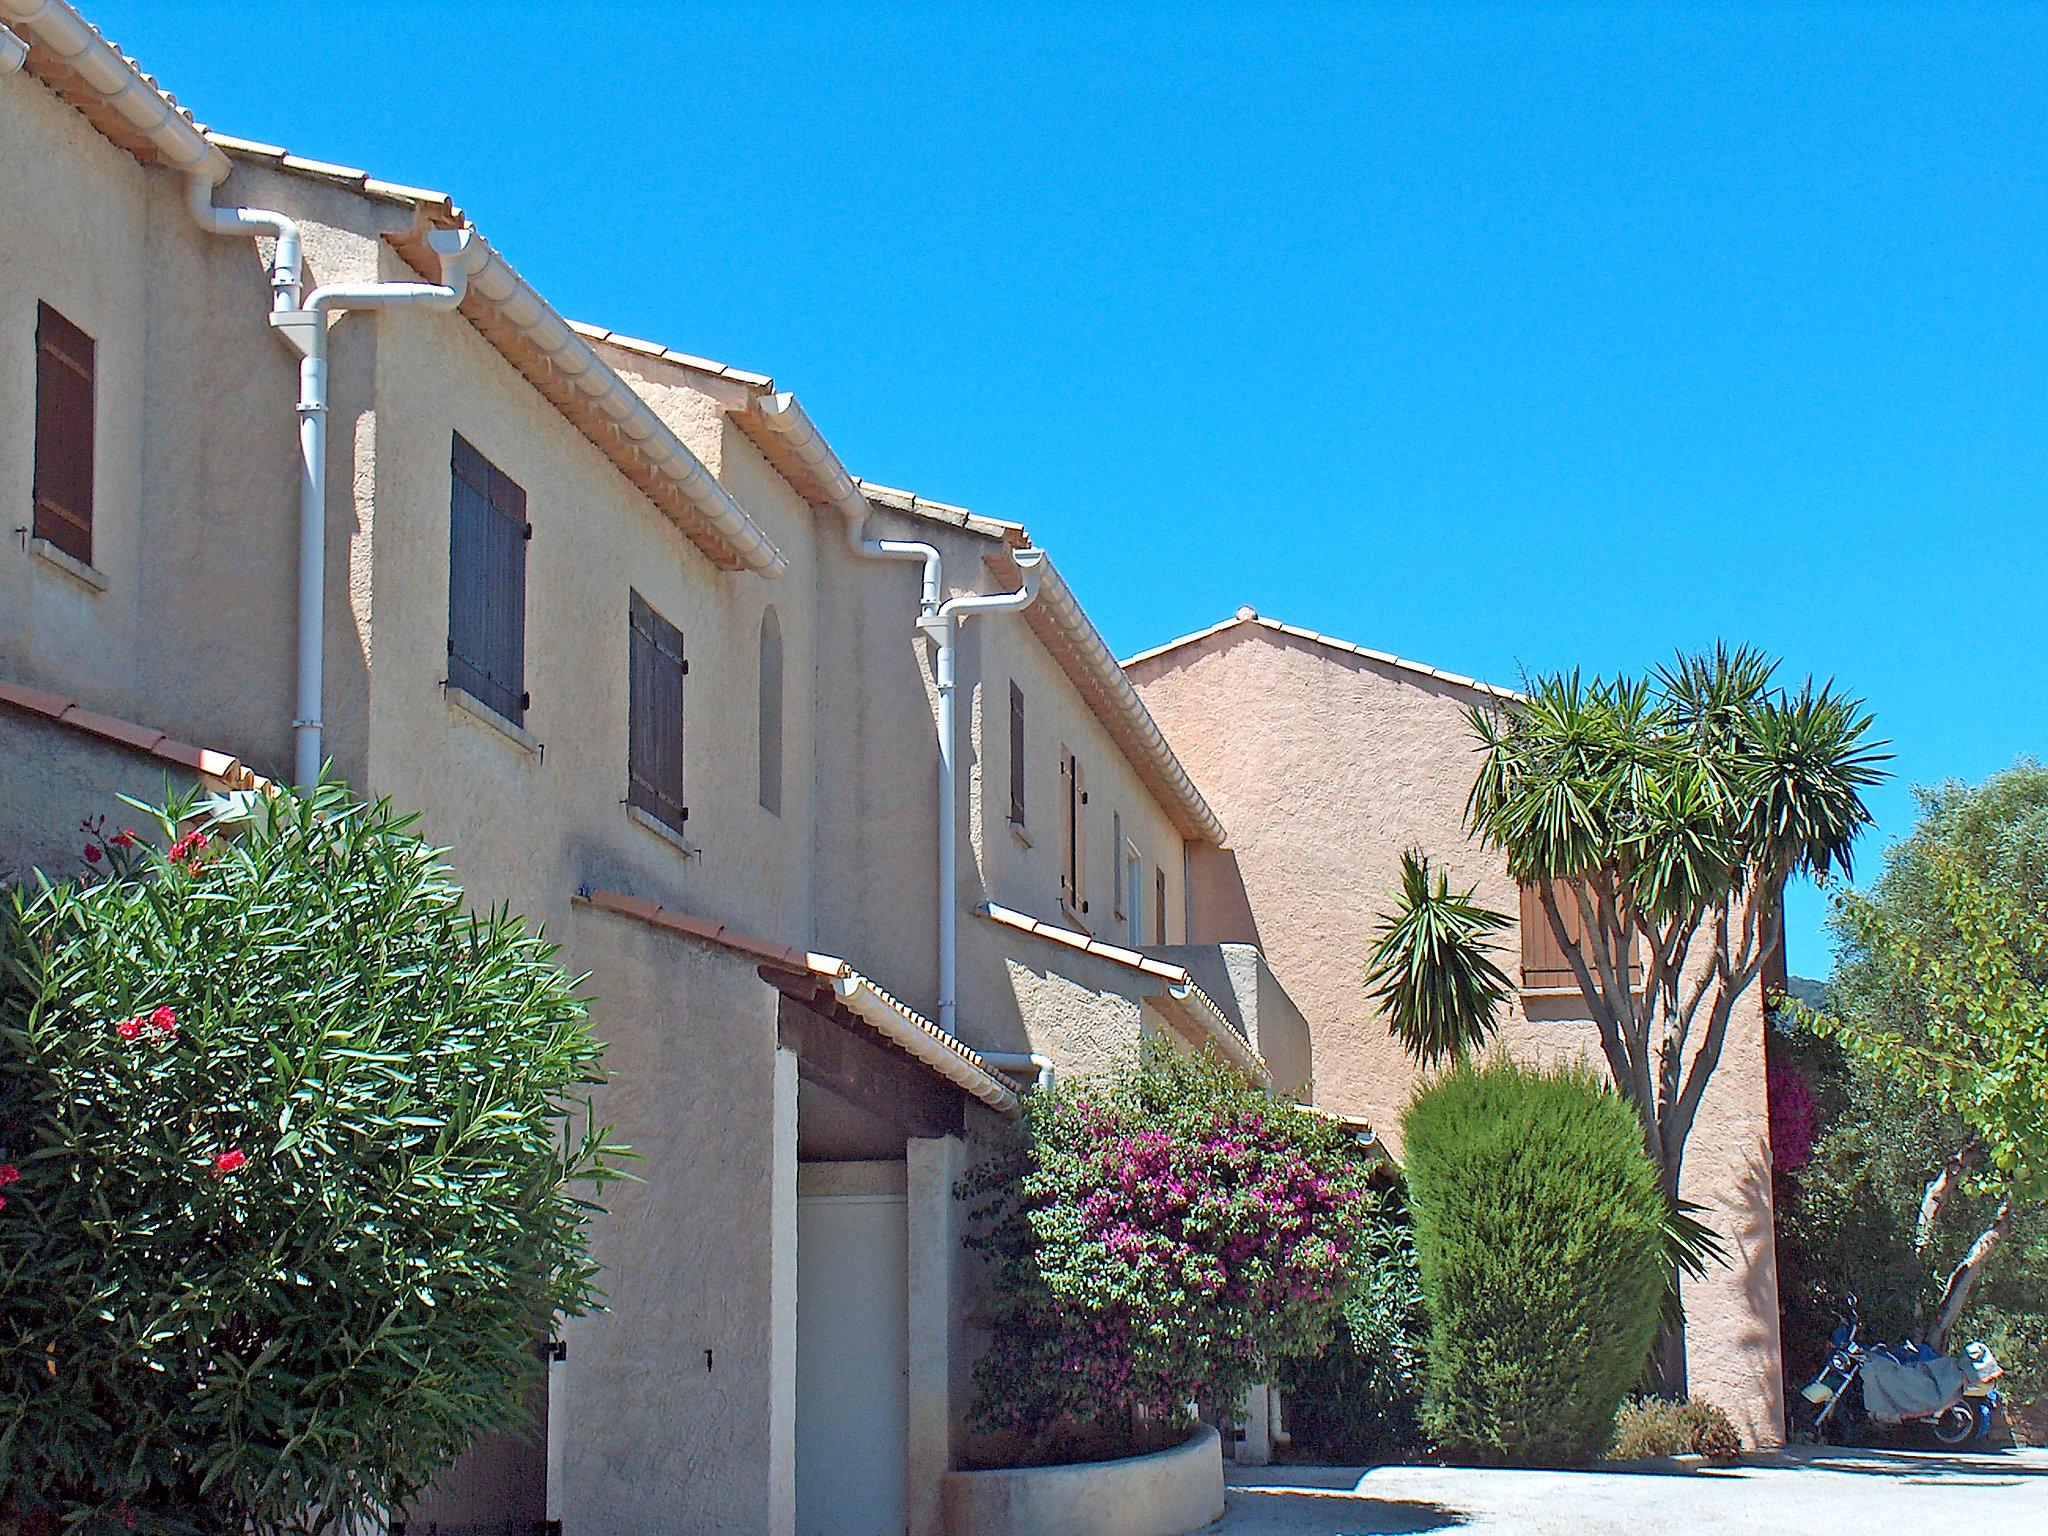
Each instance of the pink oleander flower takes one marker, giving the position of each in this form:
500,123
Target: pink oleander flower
92,853
128,1029
227,1162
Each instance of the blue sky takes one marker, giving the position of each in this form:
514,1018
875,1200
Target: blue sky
1500,337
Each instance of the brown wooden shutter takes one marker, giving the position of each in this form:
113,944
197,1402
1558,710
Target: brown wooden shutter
655,716
487,538
1016,755
1073,835
64,435
1080,797
1545,965
1158,904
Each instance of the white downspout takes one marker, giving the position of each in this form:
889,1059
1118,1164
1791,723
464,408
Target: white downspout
1020,1063
306,330
944,628
13,52
286,264
937,621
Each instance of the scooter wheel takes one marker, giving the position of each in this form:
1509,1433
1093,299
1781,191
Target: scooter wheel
1955,1425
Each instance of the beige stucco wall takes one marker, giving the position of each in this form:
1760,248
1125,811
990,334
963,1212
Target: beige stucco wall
193,443
1325,766
658,1440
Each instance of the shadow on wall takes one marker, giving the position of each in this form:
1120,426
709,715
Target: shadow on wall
1219,907
1330,1512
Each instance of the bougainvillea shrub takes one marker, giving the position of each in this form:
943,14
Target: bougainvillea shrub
1156,1239
290,1194
1795,1117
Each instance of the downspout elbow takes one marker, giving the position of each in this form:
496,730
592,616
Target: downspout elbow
1018,1063
287,265
13,52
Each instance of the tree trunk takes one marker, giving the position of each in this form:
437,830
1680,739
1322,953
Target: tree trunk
1963,1279
1939,1189
1667,1364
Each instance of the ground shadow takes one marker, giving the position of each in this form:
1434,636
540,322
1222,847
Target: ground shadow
1337,1511
1997,1466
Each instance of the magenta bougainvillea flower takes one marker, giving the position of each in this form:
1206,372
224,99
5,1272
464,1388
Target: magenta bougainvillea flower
1795,1118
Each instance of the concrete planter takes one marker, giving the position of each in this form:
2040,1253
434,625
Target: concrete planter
1167,1493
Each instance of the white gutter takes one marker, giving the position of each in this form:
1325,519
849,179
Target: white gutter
306,330
940,623
13,52
144,108
1060,605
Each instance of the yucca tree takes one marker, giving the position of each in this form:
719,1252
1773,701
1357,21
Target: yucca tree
1432,966
1664,816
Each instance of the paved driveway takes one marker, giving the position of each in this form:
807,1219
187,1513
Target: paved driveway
1806,1491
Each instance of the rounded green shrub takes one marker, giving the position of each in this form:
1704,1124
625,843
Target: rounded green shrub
1539,1237
290,1191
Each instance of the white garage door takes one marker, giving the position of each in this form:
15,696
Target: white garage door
852,1360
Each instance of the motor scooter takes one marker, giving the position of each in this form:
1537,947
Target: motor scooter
1905,1384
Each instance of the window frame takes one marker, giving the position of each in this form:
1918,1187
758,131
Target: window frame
63,480
770,713
1017,758
1074,838
656,764
488,535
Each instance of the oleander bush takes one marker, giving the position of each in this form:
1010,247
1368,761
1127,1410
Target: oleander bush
1540,1239
1156,1239
1656,1426
290,1190
1360,1399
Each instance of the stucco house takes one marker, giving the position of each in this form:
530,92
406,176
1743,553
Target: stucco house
1327,760
303,471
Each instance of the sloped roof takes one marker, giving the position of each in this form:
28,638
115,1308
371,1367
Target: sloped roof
1248,616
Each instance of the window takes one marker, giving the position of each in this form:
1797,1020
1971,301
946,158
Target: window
1074,830
1545,965
1133,881
1016,756
654,755
1158,904
1119,900
487,538
771,712
64,428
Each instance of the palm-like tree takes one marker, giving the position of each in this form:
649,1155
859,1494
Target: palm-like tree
1432,966
1663,816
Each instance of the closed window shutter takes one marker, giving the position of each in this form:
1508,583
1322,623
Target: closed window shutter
655,716
1545,965
487,538
64,433
1080,799
1158,905
1116,857
1016,755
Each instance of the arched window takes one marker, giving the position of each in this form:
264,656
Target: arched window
771,712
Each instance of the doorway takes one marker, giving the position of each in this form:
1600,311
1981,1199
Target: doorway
852,1349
